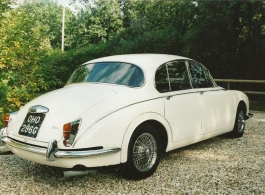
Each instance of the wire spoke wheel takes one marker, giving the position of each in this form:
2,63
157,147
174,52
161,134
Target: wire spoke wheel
240,121
144,152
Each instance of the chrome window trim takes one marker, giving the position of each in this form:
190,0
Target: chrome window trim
187,63
188,69
166,64
205,70
85,64
169,84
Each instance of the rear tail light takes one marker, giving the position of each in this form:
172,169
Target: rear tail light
67,130
9,117
70,131
6,119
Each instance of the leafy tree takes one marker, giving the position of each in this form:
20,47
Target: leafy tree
97,21
227,36
23,44
49,15
223,35
27,36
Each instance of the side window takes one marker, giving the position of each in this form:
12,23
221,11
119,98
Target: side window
199,78
161,79
172,76
178,76
209,80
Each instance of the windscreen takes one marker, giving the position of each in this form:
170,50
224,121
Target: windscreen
108,72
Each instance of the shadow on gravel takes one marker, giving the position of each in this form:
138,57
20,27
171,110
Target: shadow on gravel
47,174
206,144
5,153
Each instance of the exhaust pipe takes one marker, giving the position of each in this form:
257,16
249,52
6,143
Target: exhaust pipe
78,173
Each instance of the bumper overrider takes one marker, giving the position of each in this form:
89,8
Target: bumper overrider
2,135
52,152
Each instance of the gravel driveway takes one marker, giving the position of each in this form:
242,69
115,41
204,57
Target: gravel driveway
216,166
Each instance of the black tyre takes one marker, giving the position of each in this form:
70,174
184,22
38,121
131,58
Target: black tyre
144,153
239,126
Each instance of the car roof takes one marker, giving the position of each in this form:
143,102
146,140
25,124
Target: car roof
145,61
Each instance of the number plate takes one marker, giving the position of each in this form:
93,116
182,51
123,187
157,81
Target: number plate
31,124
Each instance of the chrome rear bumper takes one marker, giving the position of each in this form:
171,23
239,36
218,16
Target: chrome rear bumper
2,135
52,152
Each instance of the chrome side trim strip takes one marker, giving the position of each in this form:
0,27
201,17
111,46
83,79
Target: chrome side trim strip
88,153
51,153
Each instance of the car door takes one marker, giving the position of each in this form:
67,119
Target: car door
182,103
216,114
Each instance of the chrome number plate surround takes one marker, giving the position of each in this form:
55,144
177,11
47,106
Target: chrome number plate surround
31,124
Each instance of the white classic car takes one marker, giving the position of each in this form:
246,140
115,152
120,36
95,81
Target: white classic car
125,109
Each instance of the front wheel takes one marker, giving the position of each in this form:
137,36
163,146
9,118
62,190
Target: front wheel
239,126
144,153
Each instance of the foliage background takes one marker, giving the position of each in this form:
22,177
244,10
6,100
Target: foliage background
227,36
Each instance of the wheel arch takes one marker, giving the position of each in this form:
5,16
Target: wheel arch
153,119
162,132
243,105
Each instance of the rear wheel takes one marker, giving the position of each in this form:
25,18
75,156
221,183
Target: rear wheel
239,126
144,153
